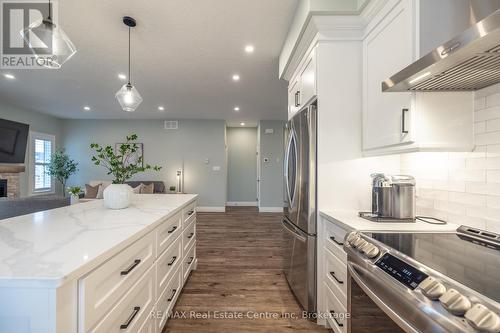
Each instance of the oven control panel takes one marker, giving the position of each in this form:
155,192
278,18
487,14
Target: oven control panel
401,271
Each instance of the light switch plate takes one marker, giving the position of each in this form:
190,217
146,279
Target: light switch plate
269,131
216,168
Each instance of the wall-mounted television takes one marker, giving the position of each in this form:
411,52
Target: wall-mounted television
13,141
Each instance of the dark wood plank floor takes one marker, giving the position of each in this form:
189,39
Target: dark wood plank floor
240,260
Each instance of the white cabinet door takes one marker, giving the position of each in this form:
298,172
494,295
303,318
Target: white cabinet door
388,48
308,81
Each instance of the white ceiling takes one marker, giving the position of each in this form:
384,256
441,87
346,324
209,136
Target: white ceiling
184,53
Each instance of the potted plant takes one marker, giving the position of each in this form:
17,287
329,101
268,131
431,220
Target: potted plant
123,164
74,192
61,167
172,189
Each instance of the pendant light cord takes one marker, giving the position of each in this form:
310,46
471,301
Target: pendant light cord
129,78
50,12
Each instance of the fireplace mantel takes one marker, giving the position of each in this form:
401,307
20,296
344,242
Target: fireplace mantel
11,168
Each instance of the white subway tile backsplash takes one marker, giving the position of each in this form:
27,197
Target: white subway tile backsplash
487,114
463,187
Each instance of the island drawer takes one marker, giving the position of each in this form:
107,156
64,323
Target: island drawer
102,288
189,236
167,232
167,300
131,312
189,212
167,264
336,312
189,261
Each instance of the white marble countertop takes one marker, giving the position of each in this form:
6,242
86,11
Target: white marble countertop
350,220
49,248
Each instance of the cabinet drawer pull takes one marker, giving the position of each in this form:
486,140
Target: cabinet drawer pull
173,229
190,260
190,235
336,278
172,261
403,121
332,313
174,291
131,268
336,241
131,318
190,212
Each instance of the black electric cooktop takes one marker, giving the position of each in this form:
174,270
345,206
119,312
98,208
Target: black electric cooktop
473,263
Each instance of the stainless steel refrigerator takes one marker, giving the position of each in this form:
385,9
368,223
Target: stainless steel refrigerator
299,222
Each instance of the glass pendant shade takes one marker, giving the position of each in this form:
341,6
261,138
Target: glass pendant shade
62,49
128,97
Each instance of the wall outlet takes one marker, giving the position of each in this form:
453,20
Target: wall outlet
207,161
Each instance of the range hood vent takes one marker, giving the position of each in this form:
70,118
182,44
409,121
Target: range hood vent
468,62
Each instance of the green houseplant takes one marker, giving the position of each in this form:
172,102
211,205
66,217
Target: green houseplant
122,163
61,167
74,192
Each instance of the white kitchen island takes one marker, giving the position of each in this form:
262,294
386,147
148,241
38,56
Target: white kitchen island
85,268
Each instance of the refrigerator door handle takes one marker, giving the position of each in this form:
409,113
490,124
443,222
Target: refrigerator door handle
285,162
294,233
293,145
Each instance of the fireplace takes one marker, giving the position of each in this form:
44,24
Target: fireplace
3,188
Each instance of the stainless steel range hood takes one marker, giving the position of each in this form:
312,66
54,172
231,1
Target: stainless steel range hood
468,62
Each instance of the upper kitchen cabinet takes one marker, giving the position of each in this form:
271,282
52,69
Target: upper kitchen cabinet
302,87
407,121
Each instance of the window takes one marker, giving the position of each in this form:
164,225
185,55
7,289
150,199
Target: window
42,148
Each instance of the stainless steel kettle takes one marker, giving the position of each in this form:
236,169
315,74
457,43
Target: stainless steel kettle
393,196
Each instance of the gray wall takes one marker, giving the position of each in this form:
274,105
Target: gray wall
38,122
271,173
242,164
197,144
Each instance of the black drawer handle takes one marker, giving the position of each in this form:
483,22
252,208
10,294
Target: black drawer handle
190,212
335,277
336,321
403,121
172,261
336,241
174,291
190,260
173,229
131,268
131,318
190,235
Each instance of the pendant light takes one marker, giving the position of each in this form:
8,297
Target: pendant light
62,47
128,97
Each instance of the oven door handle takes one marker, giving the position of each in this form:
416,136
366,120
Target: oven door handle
363,281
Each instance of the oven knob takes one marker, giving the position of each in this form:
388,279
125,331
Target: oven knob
352,237
371,251
432,288
359,244
483,319
455,302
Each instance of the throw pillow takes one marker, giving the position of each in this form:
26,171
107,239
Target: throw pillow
147,189
91,191
137,189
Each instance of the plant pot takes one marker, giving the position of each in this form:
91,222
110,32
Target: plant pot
117,196
74,199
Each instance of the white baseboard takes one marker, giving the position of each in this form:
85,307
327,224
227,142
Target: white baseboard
210,209
242,203
270,209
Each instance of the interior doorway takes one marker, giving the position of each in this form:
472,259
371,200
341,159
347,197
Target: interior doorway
242,160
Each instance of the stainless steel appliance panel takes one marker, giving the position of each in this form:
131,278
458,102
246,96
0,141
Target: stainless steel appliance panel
300,264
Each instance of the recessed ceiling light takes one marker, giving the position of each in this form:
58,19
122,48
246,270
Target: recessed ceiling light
9,76
236,77
86,108
161,108
122,76
242,124
236,108
249,49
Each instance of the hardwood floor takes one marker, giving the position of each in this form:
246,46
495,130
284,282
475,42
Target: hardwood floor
240,260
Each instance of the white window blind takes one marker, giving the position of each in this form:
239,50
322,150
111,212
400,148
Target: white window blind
43,148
